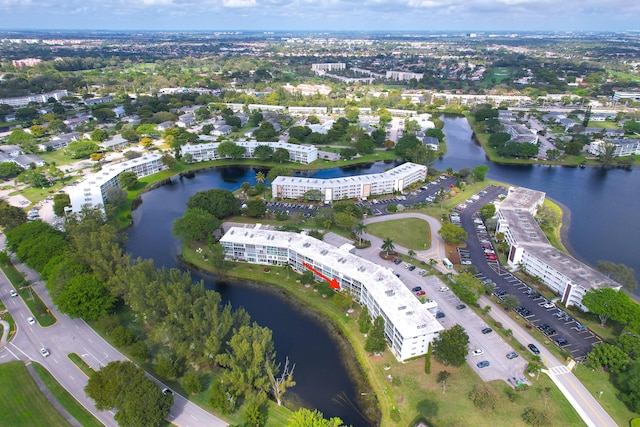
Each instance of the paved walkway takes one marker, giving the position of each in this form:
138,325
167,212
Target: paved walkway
50,397
5,332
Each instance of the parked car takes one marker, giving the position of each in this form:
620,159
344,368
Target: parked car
487,331
477,352
416,289
420,293
440,315
443,289
512,355
483,364
533,349
461,306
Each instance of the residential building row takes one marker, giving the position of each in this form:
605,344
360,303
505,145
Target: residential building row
209,151
409,325
621,146
23,101
14,154
531,251
92,191
351,187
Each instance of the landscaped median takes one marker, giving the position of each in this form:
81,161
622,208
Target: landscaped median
402,390
38,308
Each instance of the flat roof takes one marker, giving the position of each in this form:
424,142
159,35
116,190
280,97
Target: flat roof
396,172
516,210
408,315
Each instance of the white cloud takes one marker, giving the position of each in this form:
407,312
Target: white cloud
238,3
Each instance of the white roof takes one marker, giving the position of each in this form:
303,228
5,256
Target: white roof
408,315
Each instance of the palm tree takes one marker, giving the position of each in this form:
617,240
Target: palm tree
387,245
359,230
287,267
411,254
260,178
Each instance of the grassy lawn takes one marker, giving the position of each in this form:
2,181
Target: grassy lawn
604,125
15,277
409,384
21,403
412,233
58,157
76,410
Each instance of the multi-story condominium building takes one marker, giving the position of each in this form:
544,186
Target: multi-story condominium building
91,192
330,66
531,251
209,151
403,75
621,146
409,325
352,187
307,110
23,101
265,107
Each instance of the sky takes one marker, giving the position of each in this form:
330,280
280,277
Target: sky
330,15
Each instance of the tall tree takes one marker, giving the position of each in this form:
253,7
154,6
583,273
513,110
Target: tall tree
387,245
308,418
452,346
128,180
608,303
195,224
219,203
249,349
452,234
280,383
359,230
376,341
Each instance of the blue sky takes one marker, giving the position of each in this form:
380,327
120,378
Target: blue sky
336,15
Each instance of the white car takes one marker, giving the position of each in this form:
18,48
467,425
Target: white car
44,352
31,320
477,352
13,293
443,289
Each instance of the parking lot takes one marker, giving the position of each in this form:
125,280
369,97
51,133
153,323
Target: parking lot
559,327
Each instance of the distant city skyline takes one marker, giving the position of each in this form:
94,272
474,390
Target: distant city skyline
319,15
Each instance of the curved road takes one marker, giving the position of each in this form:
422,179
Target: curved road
75,336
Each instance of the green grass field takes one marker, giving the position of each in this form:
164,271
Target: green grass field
21,403
412,233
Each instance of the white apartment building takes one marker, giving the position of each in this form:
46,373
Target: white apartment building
409,325
530,250
307,110
23,101
265,107
329,66
631,96
352,187
209,151
403,75
622,147
91,191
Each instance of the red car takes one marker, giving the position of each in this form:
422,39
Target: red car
420,293
492,257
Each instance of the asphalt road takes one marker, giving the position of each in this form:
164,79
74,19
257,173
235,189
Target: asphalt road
75,336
